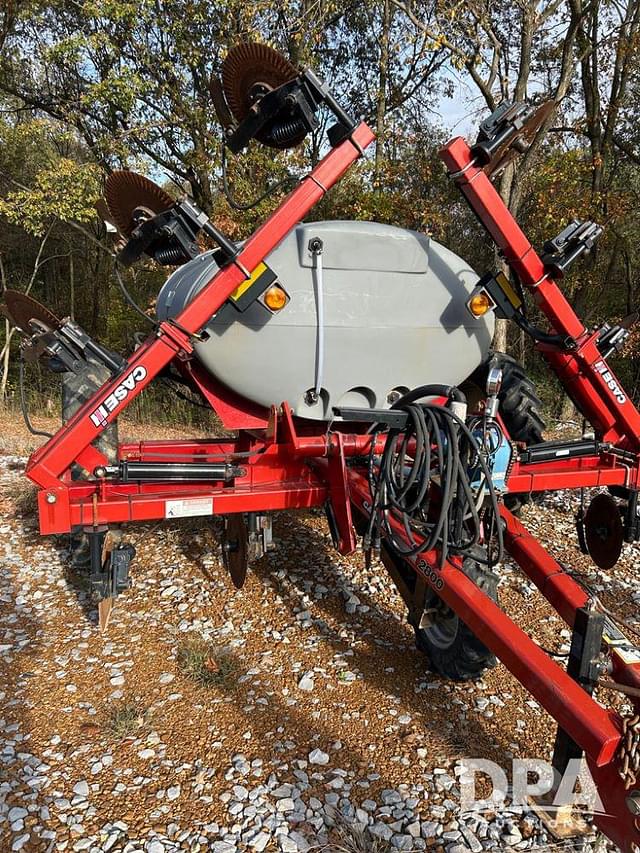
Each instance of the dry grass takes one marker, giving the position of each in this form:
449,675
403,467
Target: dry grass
24,497
124,719
15,439
205,663
351,837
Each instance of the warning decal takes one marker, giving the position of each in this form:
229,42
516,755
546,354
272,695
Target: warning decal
619,644
188,507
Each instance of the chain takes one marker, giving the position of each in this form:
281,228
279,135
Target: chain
630,750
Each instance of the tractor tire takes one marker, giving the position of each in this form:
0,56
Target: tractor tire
521,411
452,648
520,408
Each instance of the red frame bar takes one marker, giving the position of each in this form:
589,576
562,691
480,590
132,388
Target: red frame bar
277,476
582,472
595,729
589,724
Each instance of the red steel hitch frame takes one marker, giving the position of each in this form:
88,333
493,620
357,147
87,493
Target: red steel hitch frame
285,463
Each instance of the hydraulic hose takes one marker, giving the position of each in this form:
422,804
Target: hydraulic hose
431,478
433,390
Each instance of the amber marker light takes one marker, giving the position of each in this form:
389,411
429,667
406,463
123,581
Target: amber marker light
275,298
479,304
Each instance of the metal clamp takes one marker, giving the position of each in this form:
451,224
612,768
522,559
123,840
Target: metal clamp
455,175
242,267
317,183
540,280
578,238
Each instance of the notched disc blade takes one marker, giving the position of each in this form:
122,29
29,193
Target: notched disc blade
603,531
128,193
27,314
105,215
234,548
220,103
249,71
519,143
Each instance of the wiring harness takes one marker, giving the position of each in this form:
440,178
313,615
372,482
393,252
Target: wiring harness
434,479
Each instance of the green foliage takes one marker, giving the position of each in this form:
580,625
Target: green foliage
66,191
46,175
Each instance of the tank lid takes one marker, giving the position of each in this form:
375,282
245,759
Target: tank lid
365,246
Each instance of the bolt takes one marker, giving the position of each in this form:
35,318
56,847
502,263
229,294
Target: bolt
633,802
393,397
51,498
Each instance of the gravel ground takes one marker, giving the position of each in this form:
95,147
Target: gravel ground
285,717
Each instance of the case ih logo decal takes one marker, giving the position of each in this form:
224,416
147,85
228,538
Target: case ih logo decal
604,371
119,393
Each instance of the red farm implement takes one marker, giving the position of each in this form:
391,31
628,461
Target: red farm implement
427,478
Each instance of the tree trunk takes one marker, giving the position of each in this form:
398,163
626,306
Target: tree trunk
5,360
383,73
6,350
72,288
500,336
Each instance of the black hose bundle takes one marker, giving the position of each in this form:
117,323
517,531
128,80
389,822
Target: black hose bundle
433,479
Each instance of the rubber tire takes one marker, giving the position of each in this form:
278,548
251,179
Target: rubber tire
465,657
520,407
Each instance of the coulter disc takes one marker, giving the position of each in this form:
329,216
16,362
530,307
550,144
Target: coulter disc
132,198
603,531
234,548
27,314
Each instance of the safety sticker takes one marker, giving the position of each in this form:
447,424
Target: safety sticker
249,290
188,507
618,643
508,291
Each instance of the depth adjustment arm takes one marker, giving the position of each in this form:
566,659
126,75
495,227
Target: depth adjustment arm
577,239
301,97
170,236
70,346
504,123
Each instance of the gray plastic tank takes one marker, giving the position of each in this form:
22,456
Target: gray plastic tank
395,317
